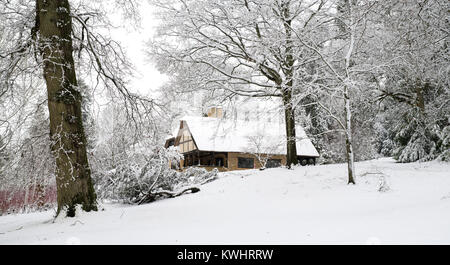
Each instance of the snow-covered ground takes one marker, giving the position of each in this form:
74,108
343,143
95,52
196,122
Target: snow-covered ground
308,205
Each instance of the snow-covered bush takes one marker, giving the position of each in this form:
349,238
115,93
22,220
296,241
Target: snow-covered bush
410,131
416,136
413,93
146,175
383,185
445,145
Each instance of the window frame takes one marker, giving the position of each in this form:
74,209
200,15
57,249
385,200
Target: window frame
239,164
272,159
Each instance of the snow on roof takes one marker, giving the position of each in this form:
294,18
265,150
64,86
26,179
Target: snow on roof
168,137
227,135
174,131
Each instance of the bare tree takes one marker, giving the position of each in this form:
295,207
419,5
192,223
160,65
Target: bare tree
343,64
246,48
263,148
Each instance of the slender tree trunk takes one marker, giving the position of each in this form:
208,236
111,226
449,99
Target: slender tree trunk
346,94
25,200
348,138
74,183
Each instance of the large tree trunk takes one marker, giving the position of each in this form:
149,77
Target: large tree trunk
291,156
74,183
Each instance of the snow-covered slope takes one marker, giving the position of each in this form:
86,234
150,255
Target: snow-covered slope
308,205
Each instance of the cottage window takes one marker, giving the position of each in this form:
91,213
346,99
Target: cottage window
271,163
246,162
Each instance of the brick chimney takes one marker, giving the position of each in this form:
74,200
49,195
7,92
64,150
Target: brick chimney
215,112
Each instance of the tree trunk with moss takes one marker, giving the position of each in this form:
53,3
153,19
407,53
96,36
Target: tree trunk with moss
73,176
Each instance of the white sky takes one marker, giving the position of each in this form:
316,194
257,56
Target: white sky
147,78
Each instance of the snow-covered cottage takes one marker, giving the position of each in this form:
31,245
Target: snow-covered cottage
234,144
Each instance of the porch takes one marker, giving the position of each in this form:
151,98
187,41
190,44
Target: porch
207,160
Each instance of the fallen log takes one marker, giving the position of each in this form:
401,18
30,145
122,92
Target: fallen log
166,193
172,194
